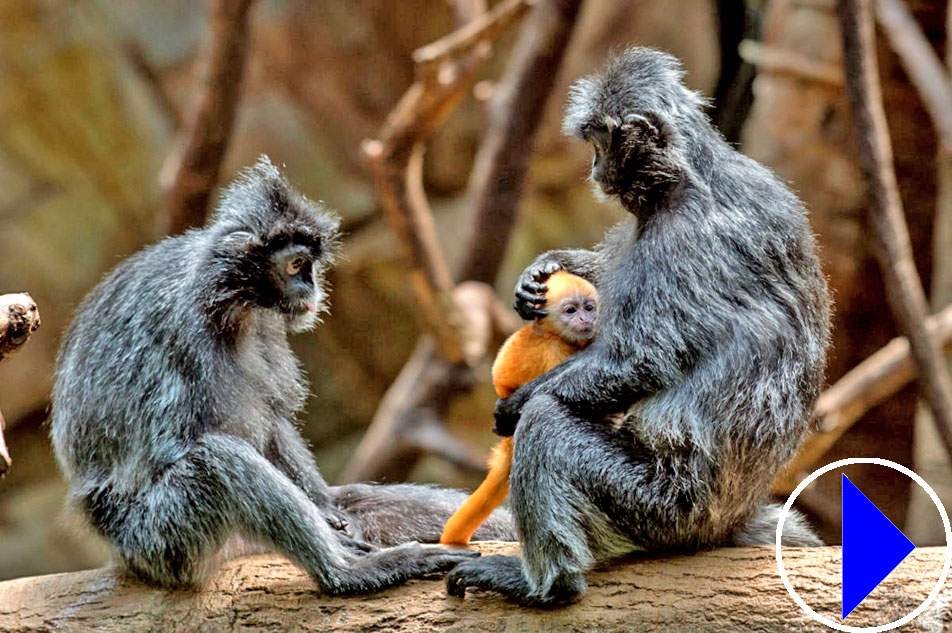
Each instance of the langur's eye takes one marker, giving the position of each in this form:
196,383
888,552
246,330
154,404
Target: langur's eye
569,310
589,307
295,265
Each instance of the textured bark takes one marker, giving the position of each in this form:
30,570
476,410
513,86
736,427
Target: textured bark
724,590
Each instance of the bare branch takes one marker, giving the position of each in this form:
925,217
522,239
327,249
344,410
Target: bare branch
482,28
463,320
190,172
19,319
871,382
5,460
922,65
446,70
778,60
891,236
515,113
422,393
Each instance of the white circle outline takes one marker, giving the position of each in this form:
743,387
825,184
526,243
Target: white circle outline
945,523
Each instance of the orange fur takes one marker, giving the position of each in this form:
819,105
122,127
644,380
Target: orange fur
533,350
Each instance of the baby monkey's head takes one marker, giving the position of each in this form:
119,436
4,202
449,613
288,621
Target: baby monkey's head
572,305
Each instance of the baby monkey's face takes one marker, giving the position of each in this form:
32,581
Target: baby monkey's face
574,317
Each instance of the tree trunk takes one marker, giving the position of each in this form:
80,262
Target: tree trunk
736,589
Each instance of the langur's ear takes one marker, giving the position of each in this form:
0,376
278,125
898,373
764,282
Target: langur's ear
237,242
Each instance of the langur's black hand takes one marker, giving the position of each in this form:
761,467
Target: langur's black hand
530,289
507,413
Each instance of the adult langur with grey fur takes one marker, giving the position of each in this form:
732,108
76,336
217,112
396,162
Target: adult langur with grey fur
175,400
713,329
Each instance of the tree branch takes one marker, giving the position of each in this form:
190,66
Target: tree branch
778,60
463,320
19,319
190,172
515,114
921,64
903,287
871,382
725,591
446,70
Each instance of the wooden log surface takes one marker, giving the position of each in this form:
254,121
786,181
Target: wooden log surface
731,589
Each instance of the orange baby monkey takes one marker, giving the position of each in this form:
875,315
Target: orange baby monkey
536,348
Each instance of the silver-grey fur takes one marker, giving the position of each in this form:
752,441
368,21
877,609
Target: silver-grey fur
713,329
175,399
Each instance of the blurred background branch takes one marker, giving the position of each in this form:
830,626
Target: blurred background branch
190,173
410,421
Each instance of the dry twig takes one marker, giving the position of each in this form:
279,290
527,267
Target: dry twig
463,320
446,70
891,236
190,172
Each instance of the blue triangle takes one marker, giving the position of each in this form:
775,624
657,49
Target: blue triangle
872,546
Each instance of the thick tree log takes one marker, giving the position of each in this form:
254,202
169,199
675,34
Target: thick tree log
724,590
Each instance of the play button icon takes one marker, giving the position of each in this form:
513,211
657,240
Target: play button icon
872,546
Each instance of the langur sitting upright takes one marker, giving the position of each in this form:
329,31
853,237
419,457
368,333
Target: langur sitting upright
536,348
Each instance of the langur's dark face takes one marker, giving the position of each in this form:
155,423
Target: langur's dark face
603,168
296,277
283,272
575,317
623,148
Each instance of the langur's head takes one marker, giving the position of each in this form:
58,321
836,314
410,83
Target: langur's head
271,248
572,306
628,112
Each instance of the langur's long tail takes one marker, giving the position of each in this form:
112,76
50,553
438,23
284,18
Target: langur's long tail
762,529
490,494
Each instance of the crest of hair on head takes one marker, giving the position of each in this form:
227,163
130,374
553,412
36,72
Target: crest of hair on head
562,284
